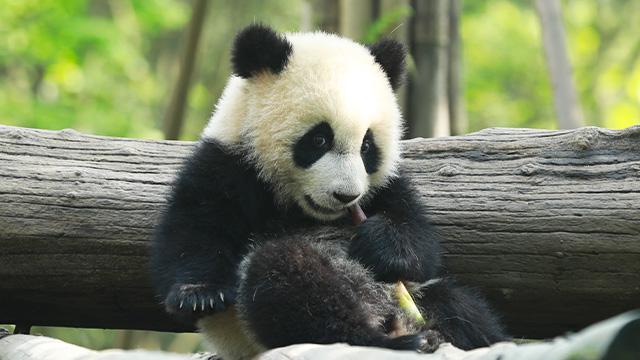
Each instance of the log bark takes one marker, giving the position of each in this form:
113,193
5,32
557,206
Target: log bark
546,223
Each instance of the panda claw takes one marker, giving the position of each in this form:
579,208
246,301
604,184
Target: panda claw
196,300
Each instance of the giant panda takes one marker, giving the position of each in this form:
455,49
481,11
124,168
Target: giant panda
307,126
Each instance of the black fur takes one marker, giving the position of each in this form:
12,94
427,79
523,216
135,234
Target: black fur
215,204
307,151
392,57
397,228
371,157
223,241
295,289
333,306
257,48
460,314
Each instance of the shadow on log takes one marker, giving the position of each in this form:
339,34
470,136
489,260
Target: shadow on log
546,223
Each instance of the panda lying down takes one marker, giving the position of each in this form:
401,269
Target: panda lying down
307,127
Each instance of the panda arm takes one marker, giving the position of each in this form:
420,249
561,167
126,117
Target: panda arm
397,241
205,231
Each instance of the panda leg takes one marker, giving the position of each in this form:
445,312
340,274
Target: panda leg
295,292
459,313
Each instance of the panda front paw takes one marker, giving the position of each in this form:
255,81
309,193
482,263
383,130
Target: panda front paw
430,341
394,249
426,341
195,300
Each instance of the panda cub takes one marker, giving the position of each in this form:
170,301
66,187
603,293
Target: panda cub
307,127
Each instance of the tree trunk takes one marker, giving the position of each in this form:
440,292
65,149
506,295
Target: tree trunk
401,32
174,116
546,223
428,113
565,99
328,19
356,17
457,113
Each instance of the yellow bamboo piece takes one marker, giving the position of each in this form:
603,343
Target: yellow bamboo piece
407,303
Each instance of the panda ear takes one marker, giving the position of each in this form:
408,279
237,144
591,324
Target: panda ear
257,48
392,57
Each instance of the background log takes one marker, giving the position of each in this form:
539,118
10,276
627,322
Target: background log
547,223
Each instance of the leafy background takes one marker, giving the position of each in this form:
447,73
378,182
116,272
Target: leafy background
107,67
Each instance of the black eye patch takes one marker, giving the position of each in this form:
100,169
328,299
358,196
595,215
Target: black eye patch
370,153
313,145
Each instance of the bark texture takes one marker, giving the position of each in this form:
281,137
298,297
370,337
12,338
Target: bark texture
546,223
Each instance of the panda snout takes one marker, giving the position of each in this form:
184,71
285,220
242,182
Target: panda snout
345,198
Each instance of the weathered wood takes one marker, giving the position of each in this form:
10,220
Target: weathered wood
547,223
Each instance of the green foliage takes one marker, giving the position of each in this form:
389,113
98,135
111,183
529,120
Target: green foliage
108,66
213,68
84,65
605,48
506,78
504,67
381,26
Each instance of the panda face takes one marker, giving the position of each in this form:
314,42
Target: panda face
333,176
322,127
323,144
320,140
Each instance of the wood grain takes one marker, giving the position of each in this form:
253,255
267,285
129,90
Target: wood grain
546,223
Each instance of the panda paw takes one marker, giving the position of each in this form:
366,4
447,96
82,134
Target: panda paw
196,300
430,340
426,342
394,249
375,245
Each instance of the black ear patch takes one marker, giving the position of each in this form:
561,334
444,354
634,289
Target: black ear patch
258,47
392,57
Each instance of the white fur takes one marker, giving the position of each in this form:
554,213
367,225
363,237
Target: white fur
229,336
327,78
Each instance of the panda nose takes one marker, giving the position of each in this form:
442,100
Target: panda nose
345,198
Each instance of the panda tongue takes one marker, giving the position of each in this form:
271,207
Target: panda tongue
357,215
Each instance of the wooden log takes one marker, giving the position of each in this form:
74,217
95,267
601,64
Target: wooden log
546,223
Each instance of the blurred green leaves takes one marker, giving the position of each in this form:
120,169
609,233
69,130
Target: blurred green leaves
505,73
108,66
86,65
504,67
